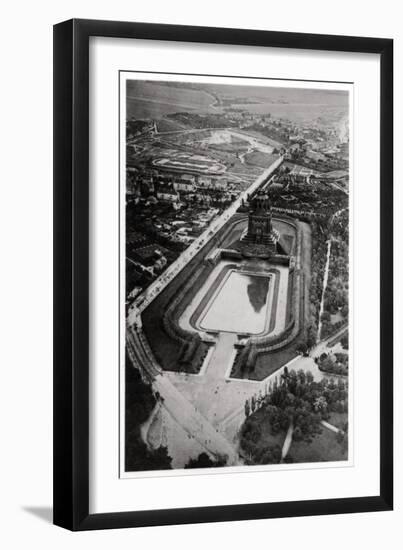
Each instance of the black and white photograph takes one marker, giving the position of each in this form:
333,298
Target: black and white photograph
235,275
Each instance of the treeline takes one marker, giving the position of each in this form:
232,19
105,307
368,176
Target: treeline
204,461
196,121
134,127
139,402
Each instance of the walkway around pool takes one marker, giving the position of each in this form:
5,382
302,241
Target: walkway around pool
222,357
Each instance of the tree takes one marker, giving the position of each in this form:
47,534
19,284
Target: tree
204,461
326,316
301,376
253,403
140,401
270,455
295,401
320,404
302,348
311,337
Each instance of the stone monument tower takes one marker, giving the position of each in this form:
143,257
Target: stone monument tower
261,238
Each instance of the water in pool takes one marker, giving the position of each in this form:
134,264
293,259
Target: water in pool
240,305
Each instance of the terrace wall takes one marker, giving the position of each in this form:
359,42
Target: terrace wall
175,348
258,347
180,350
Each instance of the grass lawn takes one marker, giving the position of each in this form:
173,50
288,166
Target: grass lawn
324,448
236,147
338,419
237,167
338,337
287,241
267,438
258,158
287,234
166,99
270,362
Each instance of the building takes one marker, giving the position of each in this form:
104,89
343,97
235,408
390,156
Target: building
220,183
167,194
163,178
184,186
207,182
188,178
204,182
151,257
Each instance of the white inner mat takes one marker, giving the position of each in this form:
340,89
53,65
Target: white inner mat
247,484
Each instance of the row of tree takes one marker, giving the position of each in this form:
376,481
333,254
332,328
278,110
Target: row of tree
336,309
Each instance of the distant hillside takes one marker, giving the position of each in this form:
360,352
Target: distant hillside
147,99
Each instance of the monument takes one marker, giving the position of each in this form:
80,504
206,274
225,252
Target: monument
261,239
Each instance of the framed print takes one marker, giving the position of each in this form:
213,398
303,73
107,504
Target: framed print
223,274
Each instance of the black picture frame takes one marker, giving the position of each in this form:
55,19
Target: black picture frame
71,273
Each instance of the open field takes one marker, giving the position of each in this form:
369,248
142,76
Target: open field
237,147
146,99
168,125
155,99
141,109
261,138
301,113
237,167
264,160
276,94
298,170
189,163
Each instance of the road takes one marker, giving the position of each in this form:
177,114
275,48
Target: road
287,441
330,427
237,415
325,278
152,291
322,347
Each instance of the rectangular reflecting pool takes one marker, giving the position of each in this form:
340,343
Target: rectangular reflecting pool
239,304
